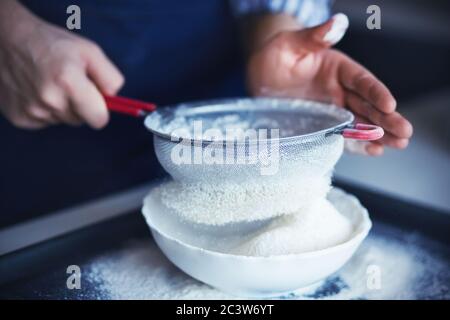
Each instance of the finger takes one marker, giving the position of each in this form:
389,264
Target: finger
41,114
372,148
29,116
324,35
388,139
356,146
62,114
359,80
68,116
393,141
22,120
375,149
394,123
57,104
366,148
337,30
102,71
76,119
86,101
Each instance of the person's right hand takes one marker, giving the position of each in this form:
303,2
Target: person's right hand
300,63
50,75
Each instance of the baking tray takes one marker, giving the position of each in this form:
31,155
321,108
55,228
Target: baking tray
406,256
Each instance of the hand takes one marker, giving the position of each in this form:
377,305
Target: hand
301,64
50,75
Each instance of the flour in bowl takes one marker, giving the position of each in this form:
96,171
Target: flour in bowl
318,227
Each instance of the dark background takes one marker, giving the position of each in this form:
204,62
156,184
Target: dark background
44,171
411,51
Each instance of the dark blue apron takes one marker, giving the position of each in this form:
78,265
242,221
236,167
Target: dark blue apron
169,51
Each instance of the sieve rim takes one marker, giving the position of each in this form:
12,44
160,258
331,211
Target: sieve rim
269,103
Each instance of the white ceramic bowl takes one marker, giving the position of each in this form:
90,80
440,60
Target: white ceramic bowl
253,276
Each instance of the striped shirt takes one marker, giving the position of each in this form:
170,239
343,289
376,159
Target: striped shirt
308,12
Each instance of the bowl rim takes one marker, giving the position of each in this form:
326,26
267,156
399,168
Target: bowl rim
361,231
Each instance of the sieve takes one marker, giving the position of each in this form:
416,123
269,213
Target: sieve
302,138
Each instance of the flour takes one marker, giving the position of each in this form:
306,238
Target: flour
409,269
219,204
412,267
318,227
291,117
214,194
140,271
195,128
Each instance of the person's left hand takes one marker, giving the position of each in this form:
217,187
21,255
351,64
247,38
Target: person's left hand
301,64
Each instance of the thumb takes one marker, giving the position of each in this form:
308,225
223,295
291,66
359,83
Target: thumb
325,35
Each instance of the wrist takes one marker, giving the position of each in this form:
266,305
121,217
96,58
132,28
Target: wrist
16,21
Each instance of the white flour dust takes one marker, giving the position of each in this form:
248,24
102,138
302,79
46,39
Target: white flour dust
140,271
408,271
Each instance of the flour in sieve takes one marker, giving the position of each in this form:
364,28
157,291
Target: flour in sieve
180,126
291,117
219,204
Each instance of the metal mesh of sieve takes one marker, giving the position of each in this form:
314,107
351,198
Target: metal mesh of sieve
308,143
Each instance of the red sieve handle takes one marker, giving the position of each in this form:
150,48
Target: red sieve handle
362,131
129,106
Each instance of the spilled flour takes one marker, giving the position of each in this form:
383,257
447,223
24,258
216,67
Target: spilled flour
412,267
